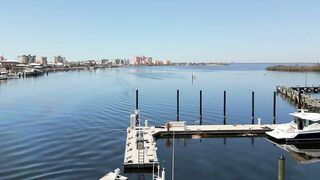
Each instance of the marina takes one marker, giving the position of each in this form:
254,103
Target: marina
73,125
159,90
141,150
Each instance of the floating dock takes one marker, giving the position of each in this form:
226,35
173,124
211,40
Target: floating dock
141,150
181,129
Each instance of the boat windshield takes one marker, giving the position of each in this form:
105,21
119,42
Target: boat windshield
301,123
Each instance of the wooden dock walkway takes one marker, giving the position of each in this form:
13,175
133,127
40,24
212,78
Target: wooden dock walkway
297,96
141,150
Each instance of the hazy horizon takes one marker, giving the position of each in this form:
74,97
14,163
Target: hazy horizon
244,31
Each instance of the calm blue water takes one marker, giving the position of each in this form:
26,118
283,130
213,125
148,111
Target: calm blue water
71,125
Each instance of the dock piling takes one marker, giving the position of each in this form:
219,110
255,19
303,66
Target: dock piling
274,106
200,107
224,107
299,99
137,105
281,168
252,107
137,99
178,106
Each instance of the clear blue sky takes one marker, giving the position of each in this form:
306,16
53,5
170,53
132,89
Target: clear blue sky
180,30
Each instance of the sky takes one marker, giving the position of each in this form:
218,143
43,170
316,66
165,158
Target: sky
177,30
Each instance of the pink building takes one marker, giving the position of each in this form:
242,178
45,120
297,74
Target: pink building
141,60
135,60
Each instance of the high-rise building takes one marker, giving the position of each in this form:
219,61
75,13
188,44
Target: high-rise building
135,60
167,62
149,60
59,59
142,60
32,59
26,59
23,59
42,60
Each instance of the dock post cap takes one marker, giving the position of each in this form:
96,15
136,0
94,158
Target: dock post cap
259,121
146,123
282,158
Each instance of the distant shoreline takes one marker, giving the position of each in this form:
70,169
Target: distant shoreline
294,68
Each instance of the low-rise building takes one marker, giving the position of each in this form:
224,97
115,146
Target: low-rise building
105,61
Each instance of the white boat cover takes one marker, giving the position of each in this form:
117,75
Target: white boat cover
307,116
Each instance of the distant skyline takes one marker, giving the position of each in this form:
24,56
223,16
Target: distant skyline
179,30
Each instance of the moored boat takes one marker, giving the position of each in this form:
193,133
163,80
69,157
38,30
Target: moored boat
114,176
304,127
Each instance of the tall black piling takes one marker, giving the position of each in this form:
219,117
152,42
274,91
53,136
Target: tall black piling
178,106
200,107
252,106
274,106
137,105
299,100
137,99
224,107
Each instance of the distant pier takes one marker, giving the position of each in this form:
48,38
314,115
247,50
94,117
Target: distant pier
298,96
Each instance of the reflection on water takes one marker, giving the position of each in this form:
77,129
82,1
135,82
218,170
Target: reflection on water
304,153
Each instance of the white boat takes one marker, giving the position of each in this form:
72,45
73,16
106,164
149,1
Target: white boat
304,127
114,176
3,77
32,72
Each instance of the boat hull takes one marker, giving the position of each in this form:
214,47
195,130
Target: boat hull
303,137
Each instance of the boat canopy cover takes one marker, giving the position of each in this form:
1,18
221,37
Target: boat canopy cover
307,116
